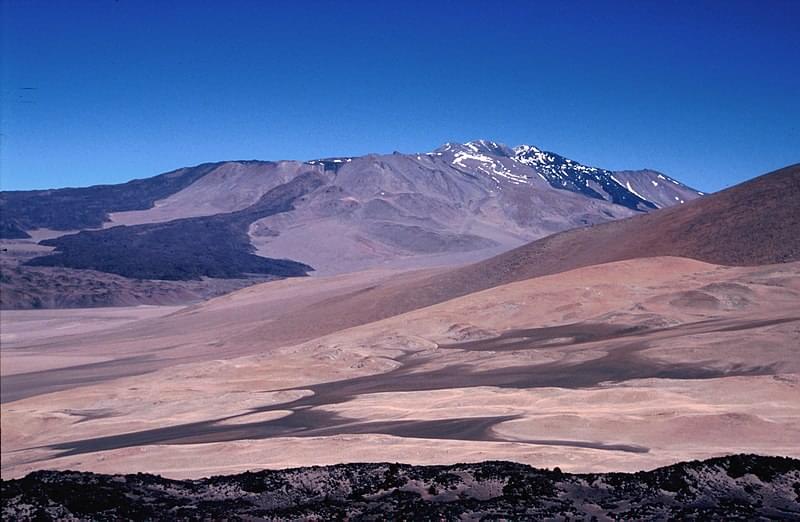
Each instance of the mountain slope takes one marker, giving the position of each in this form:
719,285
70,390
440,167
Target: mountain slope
756,222
753,223
637,190
206,189
458,204
659,189
380,209
77,208
190,248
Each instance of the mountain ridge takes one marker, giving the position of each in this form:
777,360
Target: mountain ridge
148,190
457,204
753,223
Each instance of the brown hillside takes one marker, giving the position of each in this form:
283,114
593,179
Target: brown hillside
754,223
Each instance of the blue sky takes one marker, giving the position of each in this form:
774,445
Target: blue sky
106,91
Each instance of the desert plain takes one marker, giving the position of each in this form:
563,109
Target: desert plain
619,366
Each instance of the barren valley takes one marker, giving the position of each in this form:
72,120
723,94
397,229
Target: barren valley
621,366
622,346
367,261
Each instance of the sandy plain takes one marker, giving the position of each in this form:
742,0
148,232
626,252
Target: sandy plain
622,366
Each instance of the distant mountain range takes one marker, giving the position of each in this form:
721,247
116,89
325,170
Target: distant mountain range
754,223
243,219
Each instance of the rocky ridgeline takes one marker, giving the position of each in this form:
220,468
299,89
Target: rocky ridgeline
743,487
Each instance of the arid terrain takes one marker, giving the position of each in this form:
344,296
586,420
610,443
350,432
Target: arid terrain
202,231
743,487
370,261
622,366
622,363
625,346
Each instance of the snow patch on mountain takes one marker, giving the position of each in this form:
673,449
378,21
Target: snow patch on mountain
628,186
490,166
527,164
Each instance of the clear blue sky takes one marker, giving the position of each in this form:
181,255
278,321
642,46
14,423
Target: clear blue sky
105,91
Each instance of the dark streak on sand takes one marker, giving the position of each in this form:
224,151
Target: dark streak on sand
20,386
621,362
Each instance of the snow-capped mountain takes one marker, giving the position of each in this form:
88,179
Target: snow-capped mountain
458,203
637,190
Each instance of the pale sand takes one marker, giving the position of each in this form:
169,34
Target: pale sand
23,327
715,370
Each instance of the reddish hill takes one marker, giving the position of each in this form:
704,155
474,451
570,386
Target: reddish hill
754,223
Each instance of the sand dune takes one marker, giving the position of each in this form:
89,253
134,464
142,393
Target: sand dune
249,321
620,366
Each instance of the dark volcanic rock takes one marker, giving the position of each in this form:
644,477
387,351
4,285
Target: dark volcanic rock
75,208
183,249
239,219
23,287
10,229
743,487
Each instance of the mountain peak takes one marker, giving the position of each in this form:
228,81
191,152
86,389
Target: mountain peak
478,147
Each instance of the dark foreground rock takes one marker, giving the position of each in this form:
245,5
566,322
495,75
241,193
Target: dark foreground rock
741,487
